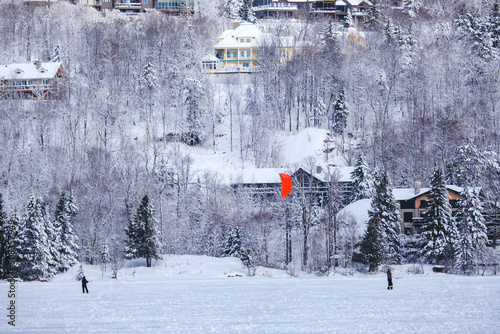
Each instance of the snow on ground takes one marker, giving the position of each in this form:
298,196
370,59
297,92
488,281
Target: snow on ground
196,294
295,148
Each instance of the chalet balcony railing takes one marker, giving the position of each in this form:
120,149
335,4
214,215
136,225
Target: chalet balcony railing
128,5
25,86
174,5
275,6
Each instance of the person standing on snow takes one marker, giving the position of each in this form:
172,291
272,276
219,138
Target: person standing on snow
84,285
389,279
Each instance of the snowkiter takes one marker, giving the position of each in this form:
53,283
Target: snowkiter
84,285
389,279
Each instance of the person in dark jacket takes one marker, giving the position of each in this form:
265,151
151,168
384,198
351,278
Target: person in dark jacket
84,285
389,279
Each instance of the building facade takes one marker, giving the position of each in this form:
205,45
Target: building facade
32,80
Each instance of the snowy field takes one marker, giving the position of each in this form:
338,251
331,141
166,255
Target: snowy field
189,294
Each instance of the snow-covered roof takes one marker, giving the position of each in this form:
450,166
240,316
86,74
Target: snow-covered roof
357,2
404,194
32,70
229,38
271,175
259,175
209,57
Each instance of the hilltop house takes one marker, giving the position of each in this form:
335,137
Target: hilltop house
31,80
338,9
239,49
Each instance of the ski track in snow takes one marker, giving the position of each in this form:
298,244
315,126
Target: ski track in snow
419,304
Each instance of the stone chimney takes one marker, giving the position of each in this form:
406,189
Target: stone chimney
38,63
319,169
417,187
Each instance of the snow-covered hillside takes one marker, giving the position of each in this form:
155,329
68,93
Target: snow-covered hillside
198,294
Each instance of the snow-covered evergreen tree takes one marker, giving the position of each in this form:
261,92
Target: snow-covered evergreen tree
143,235
374,17
233,8
232,243
319,112
340,112
68,247
373,244
329,42
467,166
475,31
34,252
438,225
494,25
247,260
105,257
411,7
80,273
148,77
193,102
56,54
362,182
472,229
382,241
349,19
5,235
245,12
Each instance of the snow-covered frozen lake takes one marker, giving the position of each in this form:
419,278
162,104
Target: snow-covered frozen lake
180,301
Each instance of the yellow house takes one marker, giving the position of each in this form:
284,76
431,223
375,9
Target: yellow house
237,50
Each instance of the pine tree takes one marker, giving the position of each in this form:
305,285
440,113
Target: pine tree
411,8
66,210
232,244
318,111
247,260
438,226
105,256
148,78
472,229
5,237
382,240
467,166
34,253
362,182
374,17
245,12
340,113
373,244
80,273
475,31
349,19
56,55
233,8
193,103
494,25
329,42
143,235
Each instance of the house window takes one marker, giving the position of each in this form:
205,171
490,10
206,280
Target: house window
248,40
408,217
248,53
235,54
246,65
229,54
242,53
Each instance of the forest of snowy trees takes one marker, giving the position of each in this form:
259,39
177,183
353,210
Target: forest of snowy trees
419,95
